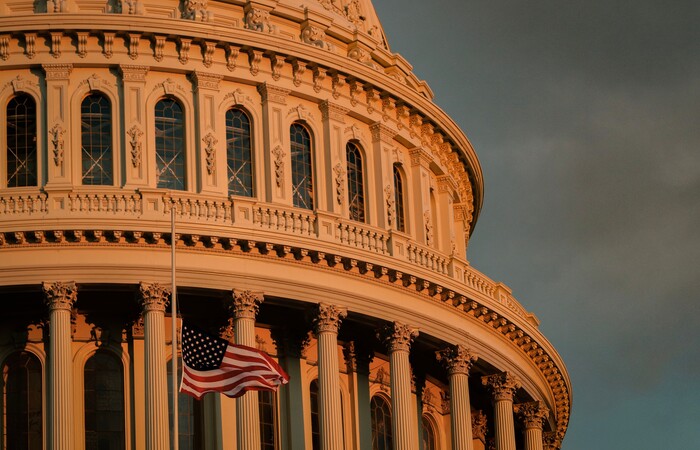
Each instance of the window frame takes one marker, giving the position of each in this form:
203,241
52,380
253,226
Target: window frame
4,136
251,151
111,141
356,186
186,160
311,171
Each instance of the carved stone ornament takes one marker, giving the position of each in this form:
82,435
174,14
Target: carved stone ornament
210,151
298,70
502,385
381,379
279,155
427,399
390,202
60,295
246,304
196,10
315,36
254,58
339,171
551,441
138,328
134,39
204,80
258,20
4,47
153,297
232,52
328,318
533,414
132,7
274,94
397,336
238,96
184,53
457,359
56,136
337,83
133,73
479,425
135,134
428,223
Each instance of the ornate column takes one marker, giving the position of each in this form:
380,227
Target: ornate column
245,308
397,338
503,386
59,298
326,324
153,299
458,360
533,415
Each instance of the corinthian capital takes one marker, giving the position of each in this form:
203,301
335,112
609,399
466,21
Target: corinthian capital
60,295
328,318
397,336
153,297
246,304
502,385
457,359
533,414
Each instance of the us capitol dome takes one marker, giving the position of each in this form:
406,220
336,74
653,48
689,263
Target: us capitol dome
323,207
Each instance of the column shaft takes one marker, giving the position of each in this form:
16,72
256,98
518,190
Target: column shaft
154,300
505,426
60,298
533,439
460,412
245,308
330,423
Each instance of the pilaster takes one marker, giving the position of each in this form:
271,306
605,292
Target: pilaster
276,143
59,161
333,117
134,108
398,338
210,142
383,176
59,298
420,190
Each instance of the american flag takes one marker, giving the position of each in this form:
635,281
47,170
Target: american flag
212,364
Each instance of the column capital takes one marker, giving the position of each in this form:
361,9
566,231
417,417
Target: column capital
274,94
60,295
246,303
327,318
153,297
132,72
332,111
456,359
397,336
57,71
382,133
205,80
533,414
503,385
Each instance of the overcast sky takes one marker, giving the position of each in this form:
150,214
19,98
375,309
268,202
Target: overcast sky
585,116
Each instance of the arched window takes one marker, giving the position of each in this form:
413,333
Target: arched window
399,200
170,144
21,398
189,414
21,141
356,186
315,425
267,412
96,139
302,177
381,424
104,402
428,432
238,153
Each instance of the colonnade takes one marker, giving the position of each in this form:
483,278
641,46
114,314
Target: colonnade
327,319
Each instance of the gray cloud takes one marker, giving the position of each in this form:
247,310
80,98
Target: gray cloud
585,118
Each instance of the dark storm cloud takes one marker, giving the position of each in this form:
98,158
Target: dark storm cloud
586,118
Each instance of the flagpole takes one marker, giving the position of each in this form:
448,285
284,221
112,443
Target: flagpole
173,316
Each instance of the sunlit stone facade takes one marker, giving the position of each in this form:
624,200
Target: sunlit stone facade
324,205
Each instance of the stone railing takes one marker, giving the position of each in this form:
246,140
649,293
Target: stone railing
360,235
115,202
427,257
28,204
198,207
285,220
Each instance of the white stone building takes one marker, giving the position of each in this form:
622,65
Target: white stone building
324,205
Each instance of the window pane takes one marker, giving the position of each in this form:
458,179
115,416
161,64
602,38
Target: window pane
189,412
22,393
381,424
170,145
21,141
356,189
266,403
315,426
428,432
104,402
96,138
239,153
398,200
302,177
